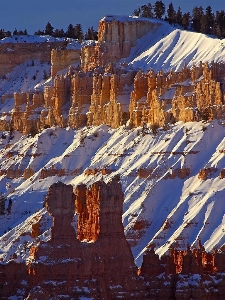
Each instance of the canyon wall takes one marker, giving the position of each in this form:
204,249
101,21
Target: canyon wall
97,90
61,59
68,264
94,259
116,37
13,54
114,96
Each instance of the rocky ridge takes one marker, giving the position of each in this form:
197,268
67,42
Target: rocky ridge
98,263
100,90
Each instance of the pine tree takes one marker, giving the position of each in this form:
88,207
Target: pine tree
59,33
146,11
2,33
179,16
210,18
204,24
15,32
78,33
49,29
91,34
171,14
219,26
137,12
159,9
70,32
8,33
197,14
186,20
39,32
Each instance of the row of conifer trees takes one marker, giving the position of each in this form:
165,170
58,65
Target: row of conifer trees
199,20
73,31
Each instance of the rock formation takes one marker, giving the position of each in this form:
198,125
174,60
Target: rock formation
116,36
100,88
94,260
68,264
13,54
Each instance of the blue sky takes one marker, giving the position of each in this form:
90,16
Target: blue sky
34,14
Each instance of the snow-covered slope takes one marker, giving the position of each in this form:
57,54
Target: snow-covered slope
193,208
25,77
157,210
170,48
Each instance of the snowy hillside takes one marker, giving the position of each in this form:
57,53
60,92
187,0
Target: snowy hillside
170,48
25,77
186,209
158,210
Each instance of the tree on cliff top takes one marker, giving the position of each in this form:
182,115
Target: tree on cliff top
159,9
78,32
171,14
49,29
91,34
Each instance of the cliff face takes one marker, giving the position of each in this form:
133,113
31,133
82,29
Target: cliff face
113,96
13,54
74,262
116,37
60,59
106,263
99,90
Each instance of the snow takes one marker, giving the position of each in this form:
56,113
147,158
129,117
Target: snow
32,39
124,151
26,77
169,48
193,208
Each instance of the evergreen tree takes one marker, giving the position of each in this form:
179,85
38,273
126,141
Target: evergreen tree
204,24
70,32
59,33
78,33
137,12
179,16
20,32
171,14
146,11
91,34
2,33
49,29
15,32
25,32
220,23
197,14
39,32
159,9
210,18
186,20
8,33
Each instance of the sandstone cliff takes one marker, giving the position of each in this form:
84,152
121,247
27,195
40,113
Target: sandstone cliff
94,260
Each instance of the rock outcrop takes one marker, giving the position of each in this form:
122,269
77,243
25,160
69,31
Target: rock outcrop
94,260
68,265
100,88
13,54
116,37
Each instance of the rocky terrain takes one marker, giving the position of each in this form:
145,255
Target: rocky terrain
112,165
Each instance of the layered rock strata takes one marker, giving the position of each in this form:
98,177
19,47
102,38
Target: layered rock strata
116,37
13,54
95,260
103,269
114,96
